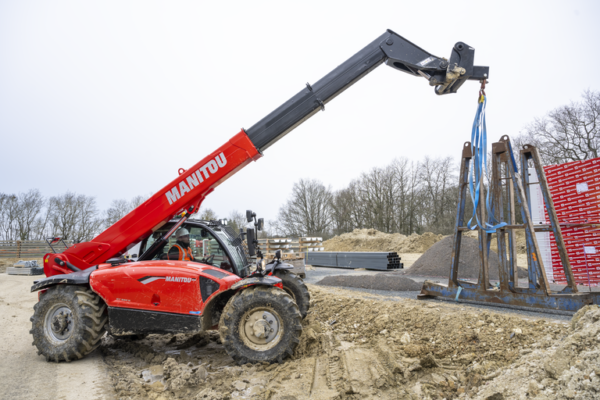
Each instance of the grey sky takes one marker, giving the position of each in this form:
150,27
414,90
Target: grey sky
110,98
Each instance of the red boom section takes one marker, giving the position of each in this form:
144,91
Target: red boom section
189,189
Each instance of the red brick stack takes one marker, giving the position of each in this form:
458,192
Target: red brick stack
575,190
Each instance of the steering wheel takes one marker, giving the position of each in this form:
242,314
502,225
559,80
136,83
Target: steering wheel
208,260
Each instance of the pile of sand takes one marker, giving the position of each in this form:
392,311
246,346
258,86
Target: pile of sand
354,345
520,244
383,281
436,261
373,240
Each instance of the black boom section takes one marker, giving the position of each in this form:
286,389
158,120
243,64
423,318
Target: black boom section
126,321
390,48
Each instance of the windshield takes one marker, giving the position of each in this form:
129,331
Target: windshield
238,256
206,248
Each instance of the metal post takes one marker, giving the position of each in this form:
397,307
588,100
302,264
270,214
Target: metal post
460,214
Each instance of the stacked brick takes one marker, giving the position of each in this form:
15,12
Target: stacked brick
575,190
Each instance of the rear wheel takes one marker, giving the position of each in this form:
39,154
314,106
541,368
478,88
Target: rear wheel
67,323
260,324
295,287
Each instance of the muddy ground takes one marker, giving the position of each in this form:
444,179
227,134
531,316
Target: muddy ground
357,346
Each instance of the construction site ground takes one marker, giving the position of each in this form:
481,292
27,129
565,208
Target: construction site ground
356,344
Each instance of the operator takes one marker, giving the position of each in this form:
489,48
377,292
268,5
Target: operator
181,249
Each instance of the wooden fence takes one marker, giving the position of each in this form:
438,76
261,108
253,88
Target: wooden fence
26,249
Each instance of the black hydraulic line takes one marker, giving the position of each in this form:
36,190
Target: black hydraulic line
397,52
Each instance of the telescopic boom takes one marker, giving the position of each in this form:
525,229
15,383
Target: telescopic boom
193,185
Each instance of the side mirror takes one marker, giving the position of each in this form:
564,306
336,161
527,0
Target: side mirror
134,256
249,215
278,254
250,241
261,223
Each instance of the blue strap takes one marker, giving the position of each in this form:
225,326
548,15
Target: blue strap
479,170
458,293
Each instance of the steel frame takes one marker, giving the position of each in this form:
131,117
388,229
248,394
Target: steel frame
508,294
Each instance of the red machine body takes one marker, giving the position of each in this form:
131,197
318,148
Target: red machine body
162,286
189,189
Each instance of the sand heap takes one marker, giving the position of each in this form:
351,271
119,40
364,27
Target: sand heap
373,240
361,346
437,260
519,236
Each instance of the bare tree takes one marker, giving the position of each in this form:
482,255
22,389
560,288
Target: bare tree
74,217
9,206
29,206
307,211
117,210
568,133
236,220
439,188
207,214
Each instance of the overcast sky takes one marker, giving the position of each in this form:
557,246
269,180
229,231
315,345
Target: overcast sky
111,98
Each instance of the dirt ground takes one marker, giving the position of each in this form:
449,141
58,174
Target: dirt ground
24,374
355,347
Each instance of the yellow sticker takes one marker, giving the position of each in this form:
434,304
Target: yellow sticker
481,98
534,257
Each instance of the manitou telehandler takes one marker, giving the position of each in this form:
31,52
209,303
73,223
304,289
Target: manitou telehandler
87,292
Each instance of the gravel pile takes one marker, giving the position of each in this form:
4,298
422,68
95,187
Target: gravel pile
375,282
437,260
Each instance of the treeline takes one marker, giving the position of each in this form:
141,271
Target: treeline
73,217
404,197
413,197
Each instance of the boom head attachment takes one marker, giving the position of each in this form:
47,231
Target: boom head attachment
446,75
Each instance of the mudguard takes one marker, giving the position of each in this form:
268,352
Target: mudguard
275,267
258,281
74,278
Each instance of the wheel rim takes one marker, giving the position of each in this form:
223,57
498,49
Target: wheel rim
59,323
261,328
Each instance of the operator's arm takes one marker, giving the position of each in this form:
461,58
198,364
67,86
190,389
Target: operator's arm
173,253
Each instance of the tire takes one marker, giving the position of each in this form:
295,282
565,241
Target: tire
68,323
241,321
295,287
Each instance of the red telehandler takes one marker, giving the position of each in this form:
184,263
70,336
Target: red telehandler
88,291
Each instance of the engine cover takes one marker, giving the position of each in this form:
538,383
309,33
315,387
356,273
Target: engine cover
179,287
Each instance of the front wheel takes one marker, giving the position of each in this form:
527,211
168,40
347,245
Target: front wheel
295,287
260,323
68,323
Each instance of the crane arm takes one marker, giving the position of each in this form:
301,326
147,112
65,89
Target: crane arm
188,190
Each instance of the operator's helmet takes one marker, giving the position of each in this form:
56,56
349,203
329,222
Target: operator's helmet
181,232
